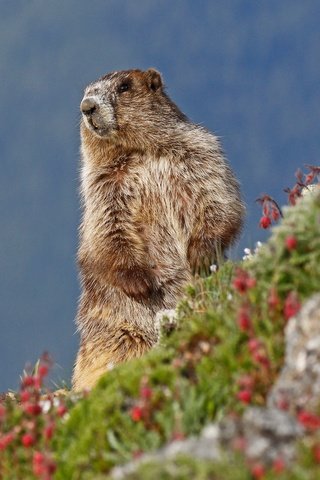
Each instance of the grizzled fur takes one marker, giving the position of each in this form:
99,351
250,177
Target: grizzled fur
159,199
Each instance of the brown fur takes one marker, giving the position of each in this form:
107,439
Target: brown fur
159,200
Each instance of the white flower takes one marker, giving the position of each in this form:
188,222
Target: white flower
247,254
258,245
213,268
45,405
170,315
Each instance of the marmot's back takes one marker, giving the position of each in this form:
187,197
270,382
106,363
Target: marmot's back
159,202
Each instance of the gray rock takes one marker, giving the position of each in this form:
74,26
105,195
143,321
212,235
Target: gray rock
269,434
298,385
206,446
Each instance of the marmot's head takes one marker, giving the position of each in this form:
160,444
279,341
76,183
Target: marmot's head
127,103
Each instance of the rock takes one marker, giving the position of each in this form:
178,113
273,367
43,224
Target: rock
298,385
270,434
204,447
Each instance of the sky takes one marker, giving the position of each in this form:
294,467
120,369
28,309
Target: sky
249,71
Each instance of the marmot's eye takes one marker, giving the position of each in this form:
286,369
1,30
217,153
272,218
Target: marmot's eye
124,87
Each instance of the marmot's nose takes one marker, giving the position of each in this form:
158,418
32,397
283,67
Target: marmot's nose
88,105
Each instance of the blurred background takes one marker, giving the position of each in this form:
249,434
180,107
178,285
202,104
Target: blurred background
248,70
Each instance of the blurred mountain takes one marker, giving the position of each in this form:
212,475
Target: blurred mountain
250,71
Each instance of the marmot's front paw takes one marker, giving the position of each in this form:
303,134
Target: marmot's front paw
137,282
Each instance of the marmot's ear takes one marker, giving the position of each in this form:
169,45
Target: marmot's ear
154,79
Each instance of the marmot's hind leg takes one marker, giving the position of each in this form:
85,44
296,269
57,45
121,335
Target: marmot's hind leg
99,355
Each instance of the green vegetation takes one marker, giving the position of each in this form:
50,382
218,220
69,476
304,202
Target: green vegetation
222,353
228,340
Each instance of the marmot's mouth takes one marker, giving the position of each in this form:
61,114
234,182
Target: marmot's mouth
93,123
94,126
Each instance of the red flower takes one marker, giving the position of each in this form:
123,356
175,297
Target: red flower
48,431
243,319
283,403
291,305
316,452
254,344
39,464
146,392
244,396
246,382
61,410
6,439
37,382
242,281
27,381
2,411
32,408
178,436
43,466
43,370
136,413
291,242
27,440
275,214
265,222
270,210
260,356
258,471
279,465
309,178
309,420
239,443
25,396
137,454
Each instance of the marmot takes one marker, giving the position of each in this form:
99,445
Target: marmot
159,198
